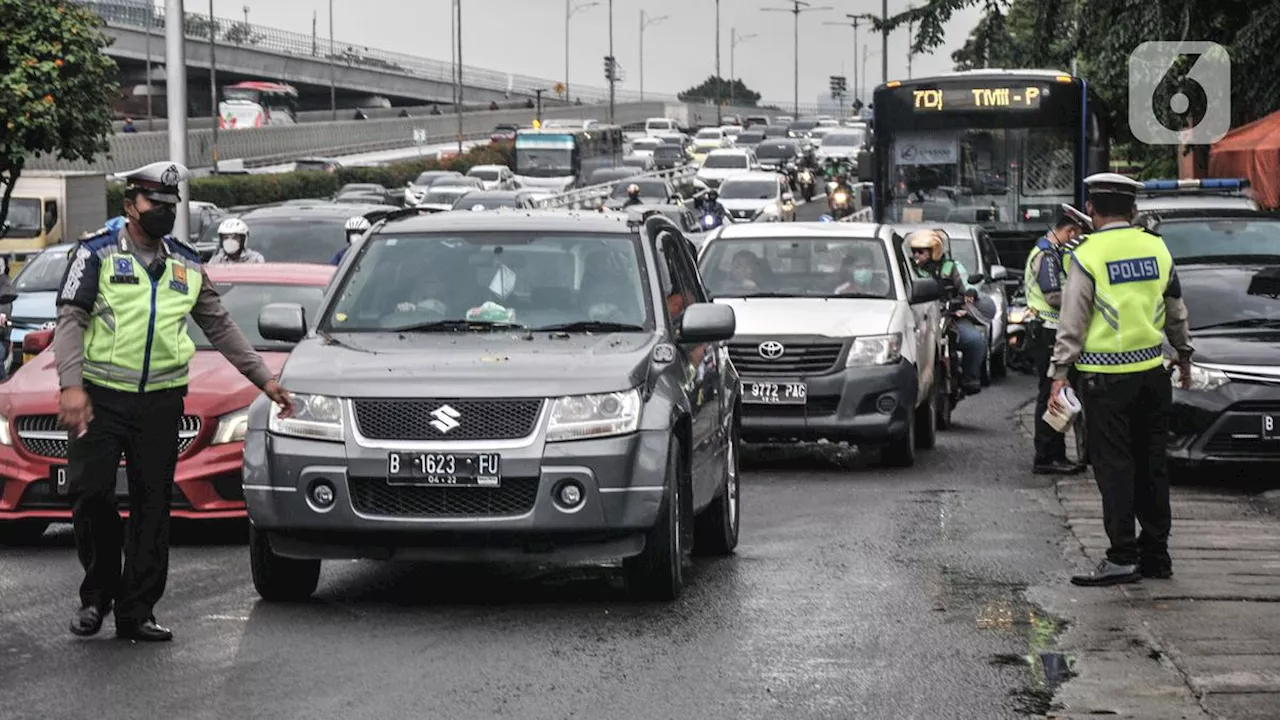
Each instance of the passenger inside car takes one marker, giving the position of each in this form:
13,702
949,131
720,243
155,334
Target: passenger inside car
859,274
746,266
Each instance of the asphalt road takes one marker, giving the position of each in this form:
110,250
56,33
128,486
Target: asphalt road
856,592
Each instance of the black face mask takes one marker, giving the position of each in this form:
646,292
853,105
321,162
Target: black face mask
158,221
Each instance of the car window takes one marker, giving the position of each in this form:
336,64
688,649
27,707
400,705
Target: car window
445,195
486,174
797,267
484,201
244,301
965,252
532,279
1221,237
736,189
44,272
299,238
843,139
709,134
649,189
990,256
677,292
1219,296
730,160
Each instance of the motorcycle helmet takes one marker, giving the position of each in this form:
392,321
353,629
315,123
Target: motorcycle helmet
633,190
931,240
712,195
233,226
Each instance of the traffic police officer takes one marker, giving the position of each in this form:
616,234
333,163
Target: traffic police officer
122,352
1121,298
1043,279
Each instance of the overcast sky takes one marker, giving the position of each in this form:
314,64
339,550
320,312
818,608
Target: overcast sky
527,37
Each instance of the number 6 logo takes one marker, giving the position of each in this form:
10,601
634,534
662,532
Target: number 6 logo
1179,92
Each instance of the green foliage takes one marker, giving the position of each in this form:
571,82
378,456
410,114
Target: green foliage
241,34
720,90
236,190
56,86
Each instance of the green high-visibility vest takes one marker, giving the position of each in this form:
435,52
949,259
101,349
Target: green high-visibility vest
137,339
1035,296
1130,269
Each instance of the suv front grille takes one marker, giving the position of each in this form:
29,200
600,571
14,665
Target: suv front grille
429,420
813,358
41,435
375,496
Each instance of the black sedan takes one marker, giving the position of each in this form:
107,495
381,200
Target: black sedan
1231,413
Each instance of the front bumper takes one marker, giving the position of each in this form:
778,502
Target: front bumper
842,406
1225,425
622,480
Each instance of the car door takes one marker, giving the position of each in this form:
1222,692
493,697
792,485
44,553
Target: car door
699,376
926,317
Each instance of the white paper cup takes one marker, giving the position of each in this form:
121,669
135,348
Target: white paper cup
1060,417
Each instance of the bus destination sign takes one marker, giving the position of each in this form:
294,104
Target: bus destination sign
987,98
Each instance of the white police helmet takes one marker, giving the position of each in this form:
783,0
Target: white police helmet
359,223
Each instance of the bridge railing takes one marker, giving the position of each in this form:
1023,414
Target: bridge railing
590,197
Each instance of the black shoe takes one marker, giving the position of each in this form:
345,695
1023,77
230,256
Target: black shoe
1157,573
88,621
147,631
971,387
1056,467
1108,573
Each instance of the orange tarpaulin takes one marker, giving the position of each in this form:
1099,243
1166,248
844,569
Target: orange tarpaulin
1251,151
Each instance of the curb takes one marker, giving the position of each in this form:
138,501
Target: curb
1271,501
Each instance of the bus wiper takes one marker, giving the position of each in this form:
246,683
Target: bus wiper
458,325
590,326
1242,323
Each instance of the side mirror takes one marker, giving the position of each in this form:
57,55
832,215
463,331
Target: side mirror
707,322
284,322
34,343
925,290
977,279
866,166
998,273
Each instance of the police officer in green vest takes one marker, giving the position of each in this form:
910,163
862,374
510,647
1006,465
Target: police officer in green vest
122,351
1043,279
1122,298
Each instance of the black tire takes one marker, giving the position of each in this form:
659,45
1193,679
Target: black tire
999,364
927,421
22,532
657,573
280,579
715,529
901,451
942,382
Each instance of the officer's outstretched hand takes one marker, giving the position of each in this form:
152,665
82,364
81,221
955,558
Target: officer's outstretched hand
279,396
75,411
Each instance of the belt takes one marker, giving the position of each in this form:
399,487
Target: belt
1120,358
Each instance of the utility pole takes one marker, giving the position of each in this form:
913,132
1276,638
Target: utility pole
854,18
151,19
569,10
911,32
645,22
613,76
797,7
719,80
213,81
175,78
315,15
333,83
884,41
246,17
538,112
734,41
459,105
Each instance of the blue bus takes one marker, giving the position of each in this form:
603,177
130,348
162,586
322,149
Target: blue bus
998,148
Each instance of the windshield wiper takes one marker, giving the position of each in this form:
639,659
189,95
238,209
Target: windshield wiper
1242,323
590,326
764,295
458,325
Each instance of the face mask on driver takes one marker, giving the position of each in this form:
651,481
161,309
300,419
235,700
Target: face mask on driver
352,237
231,246
158,221
862,275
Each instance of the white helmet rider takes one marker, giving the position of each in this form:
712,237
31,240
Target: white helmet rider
356,228
233,236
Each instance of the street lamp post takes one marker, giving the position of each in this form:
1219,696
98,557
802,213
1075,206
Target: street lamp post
175,67
734,41
570,8
151,19
911,32
797,7
884,42
719,88
246,17
333,83
213,82
854,18
613,82
458,106
645,21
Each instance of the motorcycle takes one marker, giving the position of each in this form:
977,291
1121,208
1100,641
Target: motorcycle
840,202
804,179
950,355
1020,321
711,221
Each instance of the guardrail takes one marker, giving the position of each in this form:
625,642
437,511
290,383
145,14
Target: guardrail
589,197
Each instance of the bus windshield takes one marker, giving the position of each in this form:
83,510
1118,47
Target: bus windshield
545,155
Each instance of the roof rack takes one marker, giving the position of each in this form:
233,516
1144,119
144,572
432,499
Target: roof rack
1220,185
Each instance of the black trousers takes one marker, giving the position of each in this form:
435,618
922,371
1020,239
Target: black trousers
1050,444
143,428
1127,425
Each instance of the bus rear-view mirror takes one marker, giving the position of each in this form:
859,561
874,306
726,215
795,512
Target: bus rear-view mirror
866,169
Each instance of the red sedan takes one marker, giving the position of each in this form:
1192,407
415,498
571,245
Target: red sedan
33,448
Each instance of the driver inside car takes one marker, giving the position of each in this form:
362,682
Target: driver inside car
857,270
430,293
744,270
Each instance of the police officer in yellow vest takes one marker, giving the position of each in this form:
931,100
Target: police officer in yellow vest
1122,298
1043,280
122,351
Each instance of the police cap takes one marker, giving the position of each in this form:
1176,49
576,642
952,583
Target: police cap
1112,183
158,181
1069,214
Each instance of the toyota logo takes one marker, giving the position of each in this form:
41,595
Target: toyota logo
771,350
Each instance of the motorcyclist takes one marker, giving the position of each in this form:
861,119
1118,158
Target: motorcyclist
355,229
927,253
633,196
233,244
711,204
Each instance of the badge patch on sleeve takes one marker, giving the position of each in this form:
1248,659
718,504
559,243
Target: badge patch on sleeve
1133,270
179,281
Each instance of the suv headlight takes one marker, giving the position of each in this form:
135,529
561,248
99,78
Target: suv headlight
5,437
231,427
577,417
875,350
316,417
1202,378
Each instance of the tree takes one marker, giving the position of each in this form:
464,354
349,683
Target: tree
56,86
242,34
713,90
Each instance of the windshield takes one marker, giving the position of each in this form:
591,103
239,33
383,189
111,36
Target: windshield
486,175
484,201
245,300
773,151
725,161
802,126
1221,237
24,218
522,278
988,176
750,137
789,267
544,162
445,195
649,189
710,134
749,190
43,272
659,125
665,151
299,239
647,144
431,176
843,139
1220,295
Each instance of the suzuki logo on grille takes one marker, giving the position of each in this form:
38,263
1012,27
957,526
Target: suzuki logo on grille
771,350
446,419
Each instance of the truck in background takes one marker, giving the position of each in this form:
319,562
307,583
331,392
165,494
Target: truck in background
51,207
